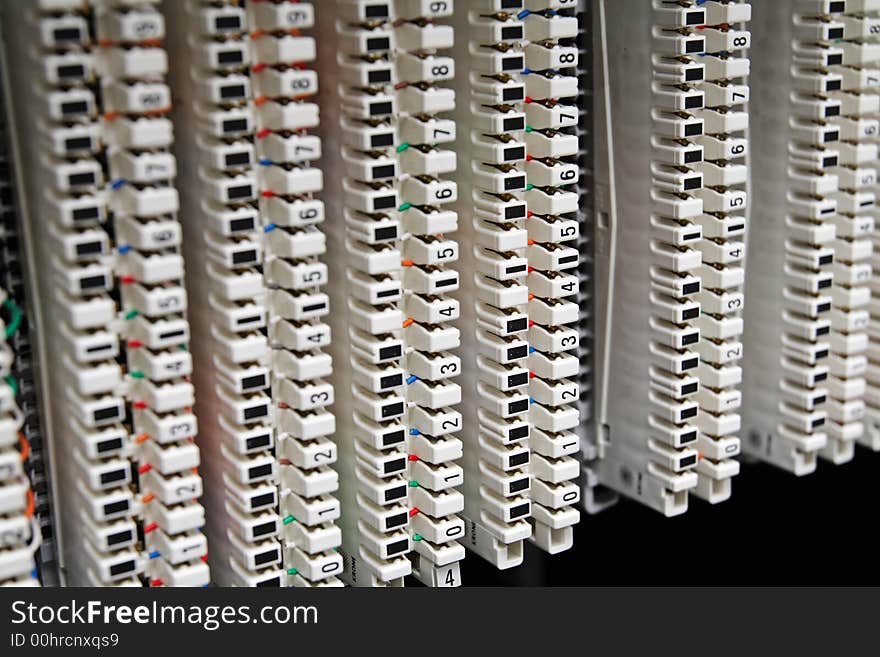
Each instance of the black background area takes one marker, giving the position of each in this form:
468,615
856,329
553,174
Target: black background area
776,529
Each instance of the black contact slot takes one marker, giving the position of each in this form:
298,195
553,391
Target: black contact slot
239,225
513,94
393,438
109,445
386,353
695,46
92,282
258,442
266,557
240,191
384,202
227,23
78,144
75,107
378,43
380,109
70,71
110,413
392,381
376,11
124,567
66,34
256,411
382,76
382,140
86,214
512,64
394,466
113,476
397,520
116,507
232,91
82,178
512,33
242,257
89,248
263,529
235,125
395,493
119,537
392,410
515,124
384,171
257,381
238,160
266,499
230,57
518,485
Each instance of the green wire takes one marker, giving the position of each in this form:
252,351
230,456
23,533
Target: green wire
15,321
12,384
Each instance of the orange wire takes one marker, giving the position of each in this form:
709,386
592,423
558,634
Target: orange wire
25,446
31,503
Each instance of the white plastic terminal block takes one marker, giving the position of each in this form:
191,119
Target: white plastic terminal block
785,421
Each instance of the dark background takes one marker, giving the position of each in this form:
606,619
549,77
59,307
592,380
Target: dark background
776,529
